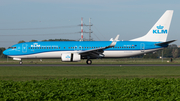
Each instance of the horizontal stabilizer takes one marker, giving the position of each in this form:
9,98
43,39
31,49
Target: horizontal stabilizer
165,43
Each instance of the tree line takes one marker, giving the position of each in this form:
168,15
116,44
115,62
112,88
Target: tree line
172,51
1,52
22,41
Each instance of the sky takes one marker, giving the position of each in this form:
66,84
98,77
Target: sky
60,19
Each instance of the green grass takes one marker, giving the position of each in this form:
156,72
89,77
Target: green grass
108,72
95,61
92,83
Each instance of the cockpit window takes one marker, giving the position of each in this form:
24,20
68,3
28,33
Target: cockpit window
12,48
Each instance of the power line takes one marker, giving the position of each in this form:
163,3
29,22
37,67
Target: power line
39,34
97,37
99,32
41,28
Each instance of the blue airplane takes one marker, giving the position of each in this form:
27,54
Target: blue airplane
73,51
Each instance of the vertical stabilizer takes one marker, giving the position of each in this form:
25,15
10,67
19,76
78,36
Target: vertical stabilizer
159,32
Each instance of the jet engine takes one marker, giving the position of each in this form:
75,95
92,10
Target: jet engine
71,57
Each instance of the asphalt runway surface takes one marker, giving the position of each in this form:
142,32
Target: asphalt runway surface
90,65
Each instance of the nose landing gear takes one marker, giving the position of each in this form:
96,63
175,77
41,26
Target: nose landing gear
20,62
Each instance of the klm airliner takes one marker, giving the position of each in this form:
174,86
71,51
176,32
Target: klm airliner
73,51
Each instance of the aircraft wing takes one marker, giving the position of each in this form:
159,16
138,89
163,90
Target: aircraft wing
98,52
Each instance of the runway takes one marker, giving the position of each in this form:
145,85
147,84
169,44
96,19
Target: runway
90,65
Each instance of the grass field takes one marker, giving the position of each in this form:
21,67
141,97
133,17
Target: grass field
95,61
107,72
94,83
40,73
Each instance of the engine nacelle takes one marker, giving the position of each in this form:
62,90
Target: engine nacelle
70,57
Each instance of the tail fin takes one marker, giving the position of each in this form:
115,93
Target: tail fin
159,32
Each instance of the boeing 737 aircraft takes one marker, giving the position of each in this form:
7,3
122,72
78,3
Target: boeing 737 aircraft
70,51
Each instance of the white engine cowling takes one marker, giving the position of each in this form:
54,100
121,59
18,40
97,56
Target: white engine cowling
70,57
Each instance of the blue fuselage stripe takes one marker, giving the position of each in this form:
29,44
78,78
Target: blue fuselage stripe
29,48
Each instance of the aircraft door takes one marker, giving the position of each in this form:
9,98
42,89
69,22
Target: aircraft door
80,48
142,47
24,48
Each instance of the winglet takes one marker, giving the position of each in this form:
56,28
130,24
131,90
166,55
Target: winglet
114,41
117,37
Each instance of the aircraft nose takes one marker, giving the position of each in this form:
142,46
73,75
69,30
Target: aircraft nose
5,52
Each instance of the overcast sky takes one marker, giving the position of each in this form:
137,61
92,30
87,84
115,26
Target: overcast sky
55,19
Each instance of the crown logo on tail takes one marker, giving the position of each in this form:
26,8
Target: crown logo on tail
160,27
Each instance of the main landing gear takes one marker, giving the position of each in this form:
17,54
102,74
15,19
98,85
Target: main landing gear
89,62
20,62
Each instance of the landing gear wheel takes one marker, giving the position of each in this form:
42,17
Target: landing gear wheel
20,62
89,62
